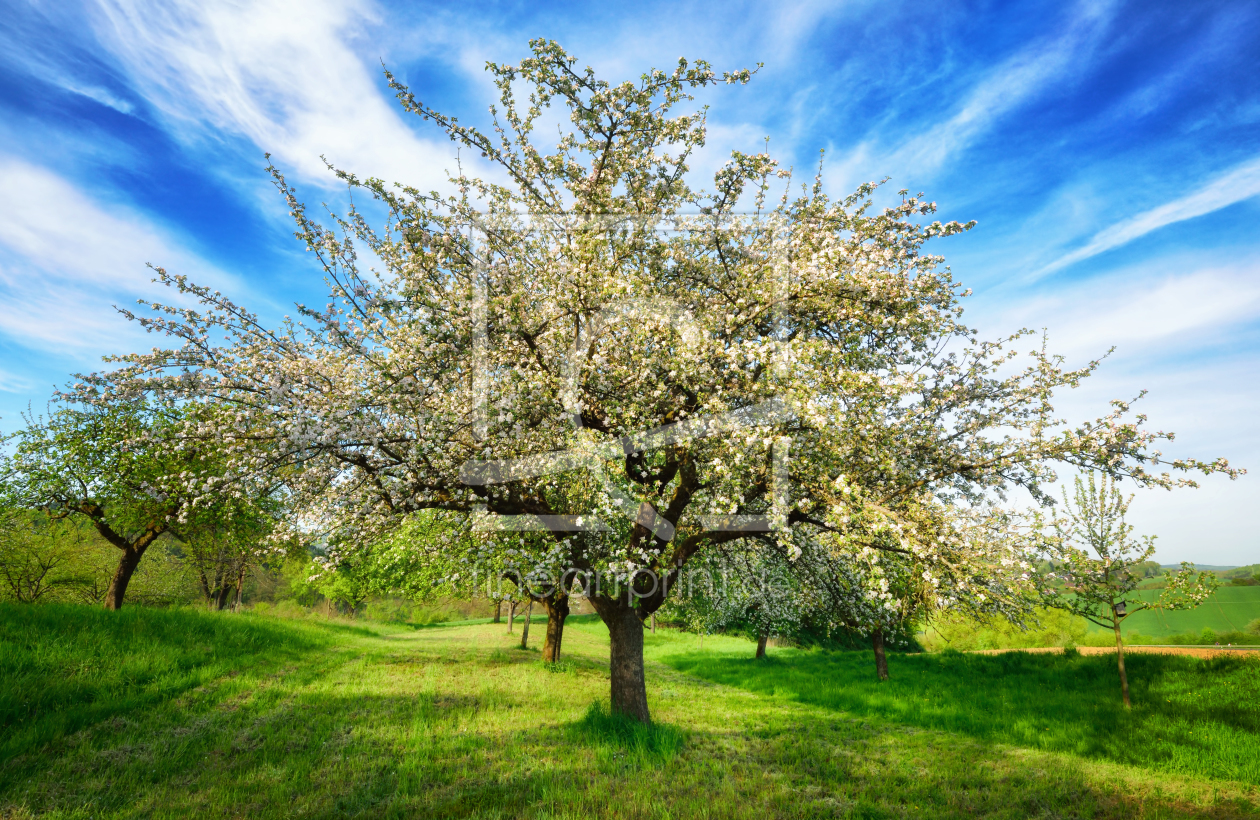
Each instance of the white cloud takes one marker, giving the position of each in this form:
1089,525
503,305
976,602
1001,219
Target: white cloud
280,73
66,259
1136,310
1237,184
100,95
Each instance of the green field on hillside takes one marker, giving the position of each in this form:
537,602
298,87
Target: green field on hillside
1230,609
148,713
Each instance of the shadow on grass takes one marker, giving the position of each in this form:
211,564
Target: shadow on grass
418,627
445,754
64,667
646,744
1190,716
374,741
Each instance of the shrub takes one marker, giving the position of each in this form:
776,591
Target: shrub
388,610
1052,628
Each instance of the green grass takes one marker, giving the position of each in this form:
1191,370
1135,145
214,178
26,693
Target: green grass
1229,610
1199,718
236,716
67,666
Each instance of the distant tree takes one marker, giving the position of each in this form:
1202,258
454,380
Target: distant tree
434,554
1147,569
1099,561
745,587
223,539
131,470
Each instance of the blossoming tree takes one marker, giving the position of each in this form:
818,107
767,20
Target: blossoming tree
585,344
1101,564
122,466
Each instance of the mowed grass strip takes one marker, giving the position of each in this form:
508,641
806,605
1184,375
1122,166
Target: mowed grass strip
458,722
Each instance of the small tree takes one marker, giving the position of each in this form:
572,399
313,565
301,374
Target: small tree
1100,564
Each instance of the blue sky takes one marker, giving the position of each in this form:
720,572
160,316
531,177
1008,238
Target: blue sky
1109,151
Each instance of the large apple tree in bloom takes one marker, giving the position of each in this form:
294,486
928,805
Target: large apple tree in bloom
583,343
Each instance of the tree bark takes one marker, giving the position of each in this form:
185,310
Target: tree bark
653,623
881,660
529,611
761,644
132,552
221,599
240,588
557,610
122,576
498,612
1124,679
625,638
511,615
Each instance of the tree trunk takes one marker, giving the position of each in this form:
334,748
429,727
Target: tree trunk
761,644
205,587
625,638
653,623
511,615
557,611
220,600
498,612
1124,679
122,576
529,611
881,660
240,589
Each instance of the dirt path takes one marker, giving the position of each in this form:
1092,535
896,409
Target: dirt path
1196,651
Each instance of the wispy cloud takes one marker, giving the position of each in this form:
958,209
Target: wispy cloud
13,383
996,94
281,74
1235,185
101,95
1135,310
66,259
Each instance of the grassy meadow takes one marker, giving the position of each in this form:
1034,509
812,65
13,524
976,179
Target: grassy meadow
1230,609
152,713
